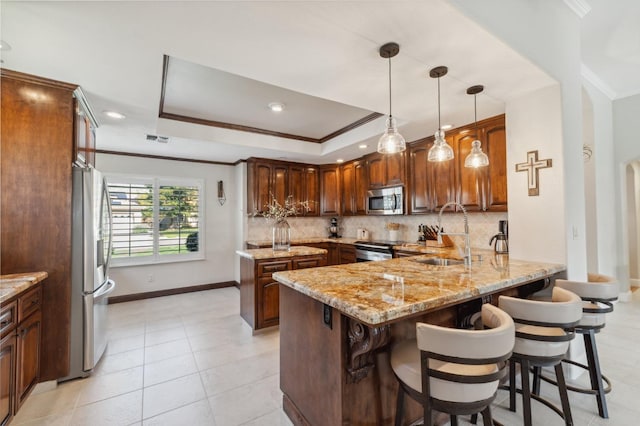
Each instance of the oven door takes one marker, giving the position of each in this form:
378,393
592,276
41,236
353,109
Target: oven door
367,255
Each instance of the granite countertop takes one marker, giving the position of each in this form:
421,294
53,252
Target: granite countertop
14,284
268,253
309,240
380,292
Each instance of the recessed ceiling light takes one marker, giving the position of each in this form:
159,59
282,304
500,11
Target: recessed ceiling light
4,46
363,146
276,106
446,126
114,114
340,160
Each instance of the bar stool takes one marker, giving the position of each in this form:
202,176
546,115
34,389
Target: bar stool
543,333
454,371
597,295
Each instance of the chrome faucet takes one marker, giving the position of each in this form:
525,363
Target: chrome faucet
467,246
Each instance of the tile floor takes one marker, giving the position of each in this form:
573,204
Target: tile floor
191,360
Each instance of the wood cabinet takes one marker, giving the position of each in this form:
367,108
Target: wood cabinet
268,179
303,186
483,189
260,293
37,152
330,190
354,186
386,169
265,180
346,254
20,350
431,185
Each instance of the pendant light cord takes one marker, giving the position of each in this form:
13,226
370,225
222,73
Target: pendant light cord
439,126
475,113
390,115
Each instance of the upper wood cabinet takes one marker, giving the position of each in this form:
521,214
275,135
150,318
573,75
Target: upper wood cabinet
303,186
329,190
431,185
354,188
267,179
386,169
485,188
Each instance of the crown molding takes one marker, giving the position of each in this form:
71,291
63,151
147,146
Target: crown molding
579,7
593,78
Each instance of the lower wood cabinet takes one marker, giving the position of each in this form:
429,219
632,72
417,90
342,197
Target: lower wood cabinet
21,330
260,293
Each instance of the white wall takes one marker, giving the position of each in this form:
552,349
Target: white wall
536,223
548,33
220,227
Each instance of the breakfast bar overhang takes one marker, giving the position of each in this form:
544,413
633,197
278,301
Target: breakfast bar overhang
337,323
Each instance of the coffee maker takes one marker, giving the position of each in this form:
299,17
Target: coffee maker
501,238
333,228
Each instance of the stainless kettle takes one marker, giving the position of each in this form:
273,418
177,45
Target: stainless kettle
501,245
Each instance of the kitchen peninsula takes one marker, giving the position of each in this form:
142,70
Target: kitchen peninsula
336,323
258,291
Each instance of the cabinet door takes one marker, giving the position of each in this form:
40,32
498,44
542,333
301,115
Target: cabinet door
348,189
394,169
361,186
28,356
268,302
311,191
279,176
418,188
7,377
297,188
377,171
347,253
471,182
262,190
330,191
494,145
441,181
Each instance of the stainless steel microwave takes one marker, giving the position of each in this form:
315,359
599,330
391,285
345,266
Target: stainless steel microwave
385,201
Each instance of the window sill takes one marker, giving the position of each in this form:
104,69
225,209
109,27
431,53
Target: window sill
155,261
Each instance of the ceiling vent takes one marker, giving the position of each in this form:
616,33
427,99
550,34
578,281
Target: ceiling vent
156,138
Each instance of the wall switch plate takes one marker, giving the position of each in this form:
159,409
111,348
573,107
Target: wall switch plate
327,314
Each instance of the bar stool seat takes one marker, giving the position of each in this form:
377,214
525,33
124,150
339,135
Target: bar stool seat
543,333
597,295
454,371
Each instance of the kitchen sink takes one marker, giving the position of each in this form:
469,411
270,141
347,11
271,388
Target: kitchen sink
439,261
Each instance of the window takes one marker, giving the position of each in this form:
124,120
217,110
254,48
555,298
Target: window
156,219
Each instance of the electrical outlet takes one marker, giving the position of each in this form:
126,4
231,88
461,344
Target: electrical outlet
150,278
575,232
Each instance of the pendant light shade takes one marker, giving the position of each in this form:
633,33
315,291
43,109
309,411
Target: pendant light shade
476,157
440,151
391,141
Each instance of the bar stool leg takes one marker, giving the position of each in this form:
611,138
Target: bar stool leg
454,420
399,406
512,385
486,417
526,391
564,397
536,380
595,374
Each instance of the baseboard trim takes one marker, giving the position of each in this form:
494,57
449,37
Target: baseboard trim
170,292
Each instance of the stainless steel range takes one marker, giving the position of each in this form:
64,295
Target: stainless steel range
373,250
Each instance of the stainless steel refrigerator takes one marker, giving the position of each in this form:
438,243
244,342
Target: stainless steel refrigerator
90,282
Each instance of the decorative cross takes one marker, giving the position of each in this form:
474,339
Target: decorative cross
532,167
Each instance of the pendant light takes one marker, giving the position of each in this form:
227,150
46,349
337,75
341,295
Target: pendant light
476,157
440,151
391,141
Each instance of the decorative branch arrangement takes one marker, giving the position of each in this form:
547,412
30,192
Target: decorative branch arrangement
276,212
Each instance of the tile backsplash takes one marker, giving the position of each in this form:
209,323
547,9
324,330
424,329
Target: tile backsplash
481,226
